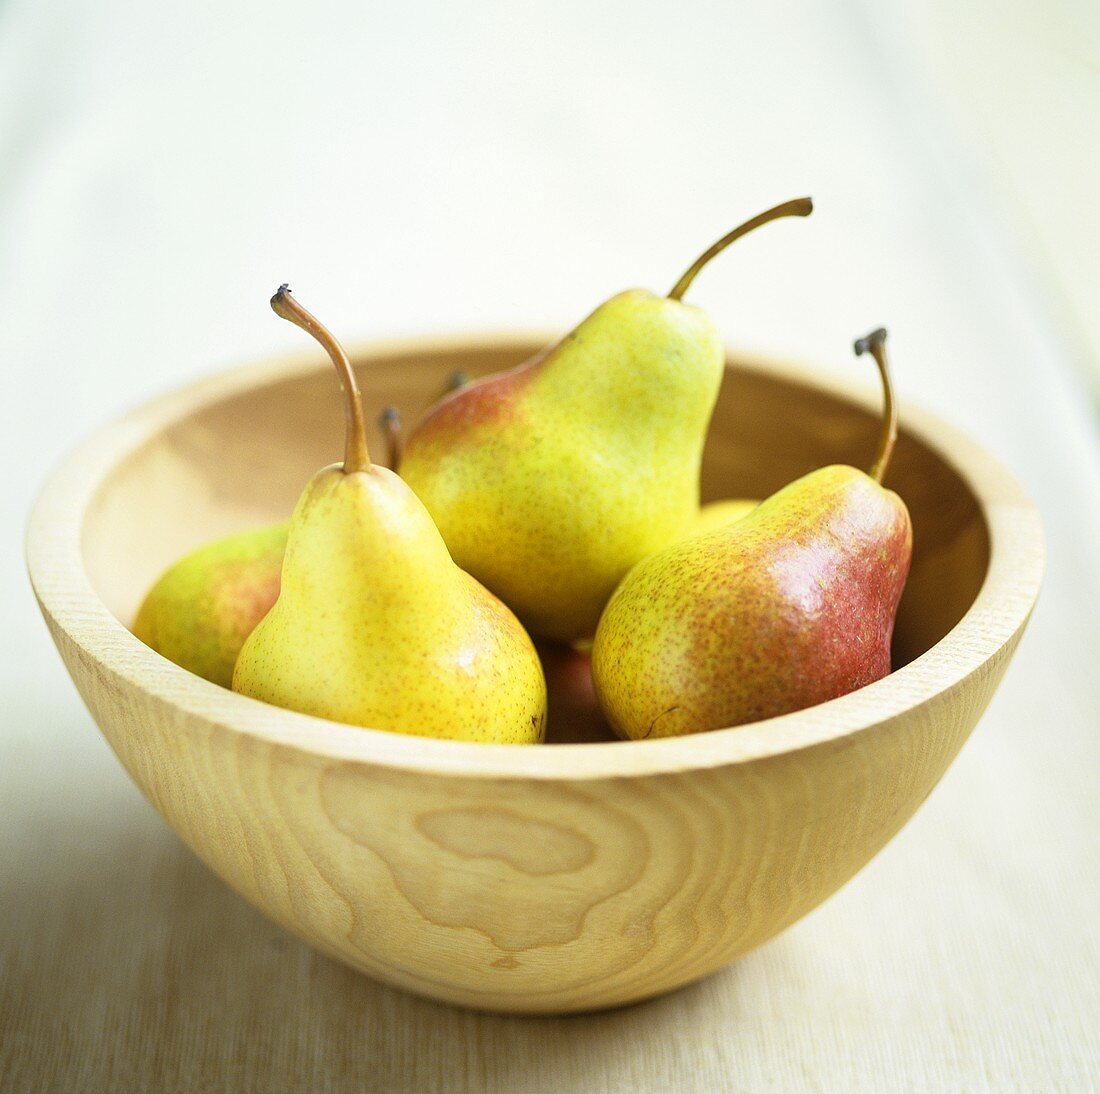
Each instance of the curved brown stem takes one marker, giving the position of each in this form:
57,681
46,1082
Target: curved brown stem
356,456
799,207
875,344
389,421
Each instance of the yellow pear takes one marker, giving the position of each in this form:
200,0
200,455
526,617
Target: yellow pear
204,606
550,481
719,514
375,625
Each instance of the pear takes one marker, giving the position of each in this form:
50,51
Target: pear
790,606
574,712
203,607
375,625
719,514
550,481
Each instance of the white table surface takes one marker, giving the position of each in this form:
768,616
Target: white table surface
164,167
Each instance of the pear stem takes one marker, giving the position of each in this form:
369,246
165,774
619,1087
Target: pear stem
389,421
799,207
456,381
356,456
875,344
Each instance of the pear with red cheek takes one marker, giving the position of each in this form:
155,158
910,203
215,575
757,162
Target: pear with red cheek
204,606
550,481
790,606
574,712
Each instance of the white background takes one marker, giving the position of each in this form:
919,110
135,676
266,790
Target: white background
433,167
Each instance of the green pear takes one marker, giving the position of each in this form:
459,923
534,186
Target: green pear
375,625
203,607
550,481
790,606
719,514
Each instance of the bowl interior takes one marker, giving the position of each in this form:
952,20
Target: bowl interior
242,460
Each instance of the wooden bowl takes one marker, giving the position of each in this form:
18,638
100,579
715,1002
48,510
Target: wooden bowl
512,878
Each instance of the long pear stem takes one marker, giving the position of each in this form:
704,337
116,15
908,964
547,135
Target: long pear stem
356,456
389,421
875,344
799,207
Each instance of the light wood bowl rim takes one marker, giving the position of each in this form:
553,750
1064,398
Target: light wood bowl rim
65,592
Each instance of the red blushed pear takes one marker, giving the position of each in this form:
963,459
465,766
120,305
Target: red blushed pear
375,625
790,606
204,606
548,482
574,712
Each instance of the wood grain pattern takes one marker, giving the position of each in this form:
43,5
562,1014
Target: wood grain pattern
524,879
